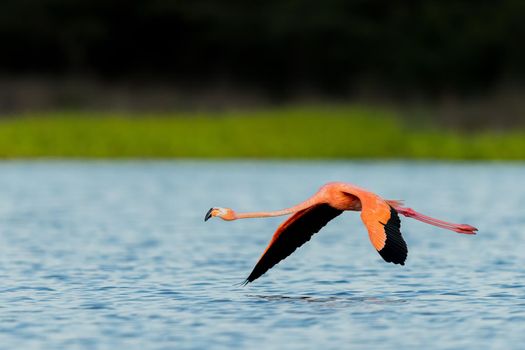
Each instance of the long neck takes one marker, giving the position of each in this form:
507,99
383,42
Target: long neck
264,214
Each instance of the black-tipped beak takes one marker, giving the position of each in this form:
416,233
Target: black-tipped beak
208,215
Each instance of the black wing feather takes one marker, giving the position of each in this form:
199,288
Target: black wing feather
296,231
395,249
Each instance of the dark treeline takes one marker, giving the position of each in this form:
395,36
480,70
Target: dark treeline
334,46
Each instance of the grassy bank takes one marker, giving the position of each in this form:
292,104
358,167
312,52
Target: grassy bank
320,132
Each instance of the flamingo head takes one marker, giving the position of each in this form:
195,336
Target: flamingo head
223,213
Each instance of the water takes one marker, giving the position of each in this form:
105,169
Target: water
113,255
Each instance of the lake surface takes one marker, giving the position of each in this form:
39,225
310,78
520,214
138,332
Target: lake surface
108,255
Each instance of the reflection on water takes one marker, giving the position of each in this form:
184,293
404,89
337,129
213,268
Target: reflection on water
330,300
112,255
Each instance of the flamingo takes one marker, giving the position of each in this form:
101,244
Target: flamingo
380,217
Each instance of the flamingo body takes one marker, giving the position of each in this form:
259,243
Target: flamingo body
380,217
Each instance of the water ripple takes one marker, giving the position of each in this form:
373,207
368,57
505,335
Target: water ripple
115,255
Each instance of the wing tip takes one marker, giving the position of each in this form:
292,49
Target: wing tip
393,256
243,283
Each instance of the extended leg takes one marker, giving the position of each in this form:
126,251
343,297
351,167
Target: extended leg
459,228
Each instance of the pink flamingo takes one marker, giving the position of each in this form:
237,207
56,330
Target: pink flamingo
380,217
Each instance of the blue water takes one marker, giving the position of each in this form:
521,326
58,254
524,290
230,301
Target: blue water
109,255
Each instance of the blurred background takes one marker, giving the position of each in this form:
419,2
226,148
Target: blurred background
455,69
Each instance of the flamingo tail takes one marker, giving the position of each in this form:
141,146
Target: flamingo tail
459,228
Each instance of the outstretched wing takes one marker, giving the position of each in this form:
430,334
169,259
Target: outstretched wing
292,234
383,224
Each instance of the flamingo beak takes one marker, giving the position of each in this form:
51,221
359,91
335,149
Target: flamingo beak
208,214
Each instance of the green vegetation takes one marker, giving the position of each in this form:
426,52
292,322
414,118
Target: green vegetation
292,132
